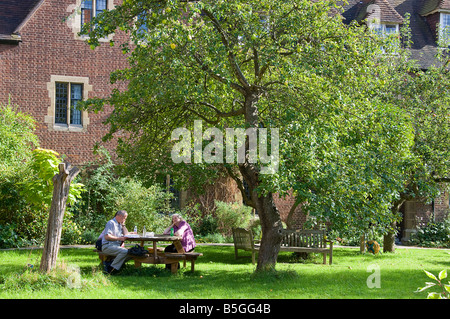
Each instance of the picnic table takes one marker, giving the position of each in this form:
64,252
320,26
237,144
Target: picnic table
158,256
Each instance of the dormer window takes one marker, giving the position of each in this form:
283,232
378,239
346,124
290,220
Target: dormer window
384,29
444,29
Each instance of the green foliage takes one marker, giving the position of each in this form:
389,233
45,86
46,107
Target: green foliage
232,215
345,141
26,186
9,238
434,234
17,139
38,187
209,225
445,288
146,206
107,192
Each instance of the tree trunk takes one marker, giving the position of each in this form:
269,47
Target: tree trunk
61,186
271,226
362,244
389,238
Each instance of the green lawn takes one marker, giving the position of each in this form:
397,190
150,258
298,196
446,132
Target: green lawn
219,275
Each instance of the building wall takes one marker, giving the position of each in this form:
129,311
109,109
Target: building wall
419,214
49,48
284,205
433,21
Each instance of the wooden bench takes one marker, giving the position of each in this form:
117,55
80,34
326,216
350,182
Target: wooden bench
292,240
162,258
243,239
307,241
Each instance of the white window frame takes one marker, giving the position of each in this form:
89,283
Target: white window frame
382,27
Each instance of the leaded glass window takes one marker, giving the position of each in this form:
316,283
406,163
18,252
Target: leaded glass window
61,103
67,110
76,95
91,9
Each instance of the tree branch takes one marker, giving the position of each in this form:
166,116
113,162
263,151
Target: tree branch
215,76
231,58
240,185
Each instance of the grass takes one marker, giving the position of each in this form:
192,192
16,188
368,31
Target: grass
219,275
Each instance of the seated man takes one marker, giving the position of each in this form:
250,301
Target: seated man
113,237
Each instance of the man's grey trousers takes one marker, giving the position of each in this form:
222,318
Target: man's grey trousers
121,254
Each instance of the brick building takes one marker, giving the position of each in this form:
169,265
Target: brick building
46,68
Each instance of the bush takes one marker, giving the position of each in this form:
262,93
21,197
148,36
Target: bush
432,235
107,192
231,216
208,226
9,238
17,139
89,237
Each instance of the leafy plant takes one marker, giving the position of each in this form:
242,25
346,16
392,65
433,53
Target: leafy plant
445,288
38,188
9,237
17,139
231,215
432,235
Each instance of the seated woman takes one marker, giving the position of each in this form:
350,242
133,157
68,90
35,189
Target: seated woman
180,228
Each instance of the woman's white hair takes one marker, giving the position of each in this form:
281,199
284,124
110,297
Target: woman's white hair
177,215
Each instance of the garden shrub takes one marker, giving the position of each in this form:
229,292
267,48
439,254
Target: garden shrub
107,192
9,237
434,234
232,215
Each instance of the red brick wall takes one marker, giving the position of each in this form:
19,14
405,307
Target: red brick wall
284,205
48,48
441,207
433,20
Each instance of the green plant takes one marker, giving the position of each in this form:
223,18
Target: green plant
445,288
17,139
208,226
232,215
89,236
432,235
37,189
9,237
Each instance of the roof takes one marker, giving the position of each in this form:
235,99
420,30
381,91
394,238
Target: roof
424,46
378,9
13,14
431,6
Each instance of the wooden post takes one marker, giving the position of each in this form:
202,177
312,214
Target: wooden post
61,186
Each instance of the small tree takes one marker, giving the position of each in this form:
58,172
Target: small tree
61,187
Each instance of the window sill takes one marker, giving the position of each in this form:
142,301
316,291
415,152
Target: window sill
68,128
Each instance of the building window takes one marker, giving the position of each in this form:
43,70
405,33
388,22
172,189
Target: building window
91,9
82,12
444,29
66,111
65,94
385,30
388,33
